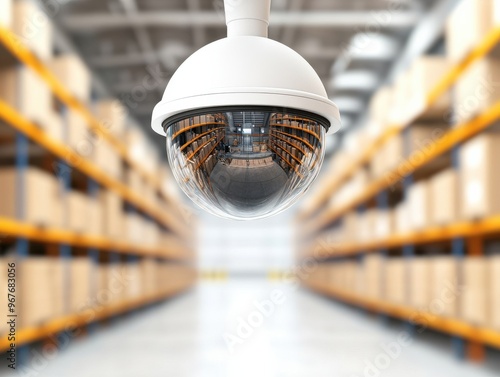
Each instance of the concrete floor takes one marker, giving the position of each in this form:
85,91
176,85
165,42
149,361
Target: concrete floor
301,334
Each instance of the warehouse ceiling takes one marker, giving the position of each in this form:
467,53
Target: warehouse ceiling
134,46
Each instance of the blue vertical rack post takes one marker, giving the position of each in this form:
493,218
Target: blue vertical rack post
408,249
458,344
22,244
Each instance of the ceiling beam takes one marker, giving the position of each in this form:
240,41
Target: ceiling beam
130,59
328,19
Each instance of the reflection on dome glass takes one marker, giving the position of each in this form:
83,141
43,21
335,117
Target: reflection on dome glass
245,163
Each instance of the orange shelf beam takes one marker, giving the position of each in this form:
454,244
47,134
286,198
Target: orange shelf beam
32,334
451,326
14,228
444,144
24,55
21,124
471,229
331,185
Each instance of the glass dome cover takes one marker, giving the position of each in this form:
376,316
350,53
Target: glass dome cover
245,162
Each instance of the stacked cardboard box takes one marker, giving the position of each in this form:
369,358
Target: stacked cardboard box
112,206
445,291
95,217
384,224
112,116
494,298
149,271
6,13
424,74
419,205
72,73
134,225
480,182
379,109
37,197
80,284
398,113
468,25
134,287
36,293
477,91
78,135
474,300
107,158
420,283
18,87
395,275
33,28
444,197
374,270
78,211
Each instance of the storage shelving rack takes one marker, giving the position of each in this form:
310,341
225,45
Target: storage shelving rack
178,222
467,237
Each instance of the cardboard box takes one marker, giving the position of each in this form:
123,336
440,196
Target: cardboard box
494,299
55,127
149,271
384,224
479,179
420,283
112,284
134,288
37,184
34,302
79,135
6,14
112,206
444,197
112,116
419,205
373,266
380,105
395,280
425,72
95,217
134,224
80,284
33,28
19,86
58,289
402,218
468,25
73,74
107,158
445,291
477,89
474,300
399,111
78,214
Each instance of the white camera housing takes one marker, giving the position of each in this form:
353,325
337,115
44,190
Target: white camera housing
244,70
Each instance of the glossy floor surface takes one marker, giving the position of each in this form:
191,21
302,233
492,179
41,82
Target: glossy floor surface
250,327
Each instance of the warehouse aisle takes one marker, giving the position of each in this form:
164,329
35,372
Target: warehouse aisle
303,335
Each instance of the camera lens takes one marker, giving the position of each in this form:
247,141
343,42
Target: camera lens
245,163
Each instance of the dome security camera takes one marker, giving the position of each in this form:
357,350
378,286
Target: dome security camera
245,120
